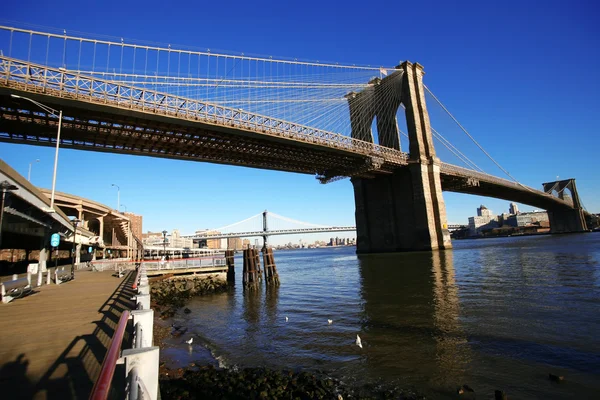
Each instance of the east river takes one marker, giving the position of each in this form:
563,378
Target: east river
493,314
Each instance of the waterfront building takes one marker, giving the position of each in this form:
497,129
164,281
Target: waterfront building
152,238
210,243
234,243
484,220
539,218
513,209
175,240
483,211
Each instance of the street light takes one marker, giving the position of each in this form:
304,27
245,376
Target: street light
164,243
118,195
29,173
75,223
51,111
123,205
5,186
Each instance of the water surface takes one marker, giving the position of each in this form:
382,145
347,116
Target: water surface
494,314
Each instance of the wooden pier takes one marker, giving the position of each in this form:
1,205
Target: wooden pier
53,342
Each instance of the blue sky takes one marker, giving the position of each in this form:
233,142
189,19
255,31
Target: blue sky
519,75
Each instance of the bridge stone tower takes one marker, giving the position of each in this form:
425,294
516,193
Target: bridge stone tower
405,210
566,219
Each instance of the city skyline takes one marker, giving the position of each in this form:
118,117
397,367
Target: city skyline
468,72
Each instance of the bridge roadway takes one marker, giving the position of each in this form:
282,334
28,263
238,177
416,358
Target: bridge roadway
102,115
286,232
54,341
274,232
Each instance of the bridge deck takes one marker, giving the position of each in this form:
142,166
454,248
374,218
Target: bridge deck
53,342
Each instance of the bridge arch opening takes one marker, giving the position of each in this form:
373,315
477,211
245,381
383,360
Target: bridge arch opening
374,131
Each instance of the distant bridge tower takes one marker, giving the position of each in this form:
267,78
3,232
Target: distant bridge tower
404,210
564,220
265,229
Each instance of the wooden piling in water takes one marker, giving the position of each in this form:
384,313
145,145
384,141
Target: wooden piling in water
257,263
271,275
250,278
229,254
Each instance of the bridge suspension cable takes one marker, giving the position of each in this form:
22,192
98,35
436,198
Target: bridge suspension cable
226,227
295,221
309,93
472,138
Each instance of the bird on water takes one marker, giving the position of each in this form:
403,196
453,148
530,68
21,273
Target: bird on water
465,389
286,319
190,341
330,321
358,341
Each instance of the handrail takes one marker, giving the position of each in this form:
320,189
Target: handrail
134,286
102,385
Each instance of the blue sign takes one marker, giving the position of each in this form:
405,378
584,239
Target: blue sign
54,240
90,249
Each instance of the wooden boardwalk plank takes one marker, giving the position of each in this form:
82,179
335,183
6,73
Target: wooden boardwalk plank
53,342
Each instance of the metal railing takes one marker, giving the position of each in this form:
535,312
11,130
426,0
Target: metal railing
141,361
102,386
208,262
58,82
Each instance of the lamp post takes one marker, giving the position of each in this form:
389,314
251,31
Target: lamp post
123,205
75,223
6,186
118,195
29,172
59,116
164,243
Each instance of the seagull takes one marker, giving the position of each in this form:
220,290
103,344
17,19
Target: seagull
465,389
330,321
286,319
190,341
358,341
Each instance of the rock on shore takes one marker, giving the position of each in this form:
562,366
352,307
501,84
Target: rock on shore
171,293
261,383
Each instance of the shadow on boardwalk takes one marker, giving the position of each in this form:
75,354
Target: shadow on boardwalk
74,372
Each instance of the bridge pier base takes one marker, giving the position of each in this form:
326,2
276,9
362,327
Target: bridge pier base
567,221
403,211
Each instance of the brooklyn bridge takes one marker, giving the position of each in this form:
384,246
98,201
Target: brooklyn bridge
329,120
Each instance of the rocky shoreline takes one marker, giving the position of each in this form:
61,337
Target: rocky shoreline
262,383
199,381
170,293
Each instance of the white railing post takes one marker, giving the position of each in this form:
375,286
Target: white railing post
145,361
142,301
145,319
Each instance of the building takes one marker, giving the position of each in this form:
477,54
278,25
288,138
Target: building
483,221
210,243
152,238
136,224
483,211
245,243
234,243
539,218
513,209
175,240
